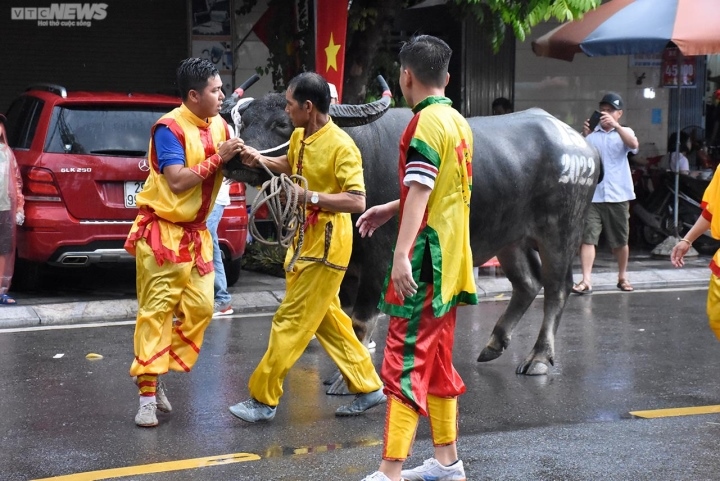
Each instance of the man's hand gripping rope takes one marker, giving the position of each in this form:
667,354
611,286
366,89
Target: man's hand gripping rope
285,209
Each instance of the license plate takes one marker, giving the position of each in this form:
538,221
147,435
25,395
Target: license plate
132,189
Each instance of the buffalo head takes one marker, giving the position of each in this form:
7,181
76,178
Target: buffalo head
265,126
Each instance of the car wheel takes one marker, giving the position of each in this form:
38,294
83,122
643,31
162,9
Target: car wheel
26,275
232,270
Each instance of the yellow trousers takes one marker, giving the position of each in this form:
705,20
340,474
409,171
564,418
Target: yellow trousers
173,288
312,307
713,305
401,422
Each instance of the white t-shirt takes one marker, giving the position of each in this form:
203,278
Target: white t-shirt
617,183
223,197
679,165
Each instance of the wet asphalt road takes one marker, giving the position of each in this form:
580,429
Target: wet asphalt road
616,353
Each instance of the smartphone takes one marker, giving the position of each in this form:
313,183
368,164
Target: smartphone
594,120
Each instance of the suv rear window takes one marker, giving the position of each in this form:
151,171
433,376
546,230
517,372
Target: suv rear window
105,130
23,117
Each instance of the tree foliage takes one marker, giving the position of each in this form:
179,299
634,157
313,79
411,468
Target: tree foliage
521,15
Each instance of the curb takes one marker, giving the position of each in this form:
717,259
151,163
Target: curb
80,312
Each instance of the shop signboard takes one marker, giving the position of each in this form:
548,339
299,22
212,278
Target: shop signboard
688,68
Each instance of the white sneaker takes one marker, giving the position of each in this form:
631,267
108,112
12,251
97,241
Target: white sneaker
376,476
161,399
432,470
145,416
223,312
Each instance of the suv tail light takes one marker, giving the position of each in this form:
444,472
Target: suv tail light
40,185
237,192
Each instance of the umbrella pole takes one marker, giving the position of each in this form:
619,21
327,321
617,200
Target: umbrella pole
677,147
664,249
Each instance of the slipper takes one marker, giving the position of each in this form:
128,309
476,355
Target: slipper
624,285
6,300
581,288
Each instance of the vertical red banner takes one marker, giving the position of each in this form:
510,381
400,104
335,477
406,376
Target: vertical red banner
330,36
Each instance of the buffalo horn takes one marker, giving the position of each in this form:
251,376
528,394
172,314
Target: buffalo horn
346,115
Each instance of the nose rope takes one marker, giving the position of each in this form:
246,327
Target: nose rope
279,195
279,147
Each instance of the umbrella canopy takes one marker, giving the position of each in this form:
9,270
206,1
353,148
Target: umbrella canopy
627,27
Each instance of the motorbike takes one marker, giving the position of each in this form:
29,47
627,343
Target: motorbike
656,210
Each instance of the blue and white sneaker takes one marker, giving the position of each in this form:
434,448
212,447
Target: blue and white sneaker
432,470
253,411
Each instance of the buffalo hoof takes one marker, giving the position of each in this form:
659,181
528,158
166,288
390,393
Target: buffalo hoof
338,388
533,368
488,354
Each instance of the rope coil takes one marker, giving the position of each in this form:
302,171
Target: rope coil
284,208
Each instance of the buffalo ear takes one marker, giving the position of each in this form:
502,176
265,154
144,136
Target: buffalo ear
283,128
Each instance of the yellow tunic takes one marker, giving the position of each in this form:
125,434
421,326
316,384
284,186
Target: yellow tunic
331,163
171,222
443,136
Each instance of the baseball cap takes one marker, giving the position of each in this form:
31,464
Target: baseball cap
613,100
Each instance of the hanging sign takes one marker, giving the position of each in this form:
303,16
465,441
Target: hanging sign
688,68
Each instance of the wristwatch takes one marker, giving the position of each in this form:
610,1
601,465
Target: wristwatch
315,198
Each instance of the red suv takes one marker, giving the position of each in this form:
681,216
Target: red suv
83,159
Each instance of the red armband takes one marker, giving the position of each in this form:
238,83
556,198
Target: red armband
208,167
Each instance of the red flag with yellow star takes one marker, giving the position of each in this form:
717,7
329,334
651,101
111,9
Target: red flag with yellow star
330,35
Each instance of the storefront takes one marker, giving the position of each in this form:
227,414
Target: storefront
119,45
571,90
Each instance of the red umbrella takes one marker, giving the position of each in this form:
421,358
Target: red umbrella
625,27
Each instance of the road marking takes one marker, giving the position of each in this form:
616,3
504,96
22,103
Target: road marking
116,323
183,464
158,467
671,412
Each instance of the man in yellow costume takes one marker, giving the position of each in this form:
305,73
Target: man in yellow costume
173,249
709,220
431,272
330,161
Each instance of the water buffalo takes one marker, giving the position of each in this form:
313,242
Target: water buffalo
533,179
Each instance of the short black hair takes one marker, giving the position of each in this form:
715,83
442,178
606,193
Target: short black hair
313,87
193,74
672,141
502,102
428,57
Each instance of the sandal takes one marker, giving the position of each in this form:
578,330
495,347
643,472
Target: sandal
6,300
581,288
624,285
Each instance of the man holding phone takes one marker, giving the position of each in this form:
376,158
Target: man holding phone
610,208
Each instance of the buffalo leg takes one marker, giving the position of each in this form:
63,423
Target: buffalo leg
522,268
557,277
